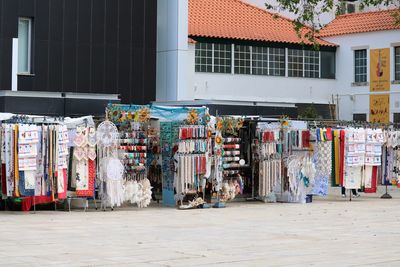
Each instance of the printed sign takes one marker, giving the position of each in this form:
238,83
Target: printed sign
379,108
379,70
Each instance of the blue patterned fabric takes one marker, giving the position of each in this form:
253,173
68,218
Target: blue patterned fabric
320,187
21,186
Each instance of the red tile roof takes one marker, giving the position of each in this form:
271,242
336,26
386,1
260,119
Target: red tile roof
361,22
234,19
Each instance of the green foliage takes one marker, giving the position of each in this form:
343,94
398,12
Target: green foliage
308,12
309,112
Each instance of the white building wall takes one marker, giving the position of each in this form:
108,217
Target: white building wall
172,48
355,99
256,88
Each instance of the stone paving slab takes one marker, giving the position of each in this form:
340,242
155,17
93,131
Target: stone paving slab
328,232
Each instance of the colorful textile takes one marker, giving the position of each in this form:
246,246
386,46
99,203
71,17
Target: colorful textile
352,177
341,158
372,186
86,170
323,164
320,187
336,144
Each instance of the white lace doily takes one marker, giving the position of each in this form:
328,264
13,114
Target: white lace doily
114,169
107,134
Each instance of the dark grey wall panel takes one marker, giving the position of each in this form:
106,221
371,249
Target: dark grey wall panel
25,83
83,68
88,46
112,21
10,15
98,22
97,74
69,67
123,71
70,20
42,20
41,65
55,66
111,68
5,59
26,8
84,21
56,20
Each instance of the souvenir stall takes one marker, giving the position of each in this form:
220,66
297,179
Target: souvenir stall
186,160
268,148
391,157
130,124
34,160
231,159
362,157
323,160
82,169
298,161
282,162
163,147
190,158
154,173
354,154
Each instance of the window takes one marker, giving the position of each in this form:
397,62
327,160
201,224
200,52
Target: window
311,64
24,45
328,67
223,58
277,61
242,59
203,57
396,117
360,117
397,63
259,60
295,63
360,66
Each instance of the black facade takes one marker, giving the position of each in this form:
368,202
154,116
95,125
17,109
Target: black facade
84,46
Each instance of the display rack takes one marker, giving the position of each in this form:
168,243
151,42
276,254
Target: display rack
191,160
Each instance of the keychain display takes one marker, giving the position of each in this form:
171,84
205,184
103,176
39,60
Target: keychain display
190,159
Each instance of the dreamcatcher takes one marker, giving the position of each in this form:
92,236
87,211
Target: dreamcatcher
107,134
110,170
113,172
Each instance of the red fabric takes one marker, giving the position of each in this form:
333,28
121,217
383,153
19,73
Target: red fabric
63,195
203,163
92,176
3,180
27,202
341,159
373,181
232,146
329,134
184,133
305,138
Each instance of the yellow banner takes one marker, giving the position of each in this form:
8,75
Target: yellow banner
379,70
379,108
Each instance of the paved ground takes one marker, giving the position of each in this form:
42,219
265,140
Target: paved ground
330,232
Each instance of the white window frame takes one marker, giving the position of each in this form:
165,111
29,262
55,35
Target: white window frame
29,44
396,68
318,57
355,67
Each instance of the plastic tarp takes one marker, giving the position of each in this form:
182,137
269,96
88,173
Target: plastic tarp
162,113
70,122
81,121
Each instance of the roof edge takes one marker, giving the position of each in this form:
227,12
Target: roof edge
328,43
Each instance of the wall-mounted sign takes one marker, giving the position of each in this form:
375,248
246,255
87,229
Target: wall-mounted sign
379,70
379,108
